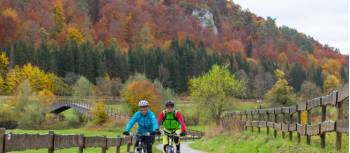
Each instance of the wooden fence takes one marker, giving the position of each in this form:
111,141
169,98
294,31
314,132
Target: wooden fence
51,141
289,120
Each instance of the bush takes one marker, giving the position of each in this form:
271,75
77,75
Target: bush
31,117
83,87
99,115
72,118
7,116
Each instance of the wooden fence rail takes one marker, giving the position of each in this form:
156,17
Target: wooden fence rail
283,120
51,141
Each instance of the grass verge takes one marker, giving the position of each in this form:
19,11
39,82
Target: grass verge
247,141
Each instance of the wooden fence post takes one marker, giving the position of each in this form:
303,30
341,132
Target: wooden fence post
246,119
2,140
252,119
283,122
299,122
275,121
268,120
290,122
339,117
118,145
81,143
104,147
308,122
259,118
323,118
128,145
52,142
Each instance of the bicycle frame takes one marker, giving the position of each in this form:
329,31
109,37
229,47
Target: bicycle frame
141,147
170,148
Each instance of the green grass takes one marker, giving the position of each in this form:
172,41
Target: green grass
202,128
69,114
248,142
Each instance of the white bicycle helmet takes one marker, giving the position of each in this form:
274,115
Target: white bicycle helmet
143,103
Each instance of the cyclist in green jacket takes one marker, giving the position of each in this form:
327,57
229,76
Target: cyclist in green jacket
173,122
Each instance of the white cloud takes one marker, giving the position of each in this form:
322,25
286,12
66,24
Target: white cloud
324,20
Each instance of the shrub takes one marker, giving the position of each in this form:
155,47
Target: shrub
31,118
99,115
83,87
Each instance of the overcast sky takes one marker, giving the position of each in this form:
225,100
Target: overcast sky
324,20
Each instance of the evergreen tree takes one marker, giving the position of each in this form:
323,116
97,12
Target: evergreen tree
44,56
249,49
297,76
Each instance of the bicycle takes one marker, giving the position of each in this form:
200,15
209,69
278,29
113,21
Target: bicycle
141,146
170,147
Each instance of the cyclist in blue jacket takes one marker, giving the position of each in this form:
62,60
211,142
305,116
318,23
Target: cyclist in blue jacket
147,123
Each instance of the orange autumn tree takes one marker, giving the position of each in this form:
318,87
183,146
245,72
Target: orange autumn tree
142,89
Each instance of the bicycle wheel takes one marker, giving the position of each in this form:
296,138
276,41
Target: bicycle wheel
169,149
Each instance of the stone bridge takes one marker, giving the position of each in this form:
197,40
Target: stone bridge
81,106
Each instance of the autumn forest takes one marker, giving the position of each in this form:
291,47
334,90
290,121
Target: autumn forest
168,40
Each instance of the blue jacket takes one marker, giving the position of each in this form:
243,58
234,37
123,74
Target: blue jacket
146,123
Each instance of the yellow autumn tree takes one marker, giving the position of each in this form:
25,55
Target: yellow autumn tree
9,13
282,59
332,67
279,74
39,80
330,83
58,15
166,44
4,62
142,90
13,78
75,34
99,115
46,97
281,93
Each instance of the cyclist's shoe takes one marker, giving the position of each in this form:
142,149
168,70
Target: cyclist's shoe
126,133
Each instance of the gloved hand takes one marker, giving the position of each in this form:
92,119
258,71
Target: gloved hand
183,133
126,133
156,132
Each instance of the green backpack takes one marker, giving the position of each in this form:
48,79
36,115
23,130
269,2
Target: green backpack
170,121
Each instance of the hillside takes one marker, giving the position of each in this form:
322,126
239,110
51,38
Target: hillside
172,40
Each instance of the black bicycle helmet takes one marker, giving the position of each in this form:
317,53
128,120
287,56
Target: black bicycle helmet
169,103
